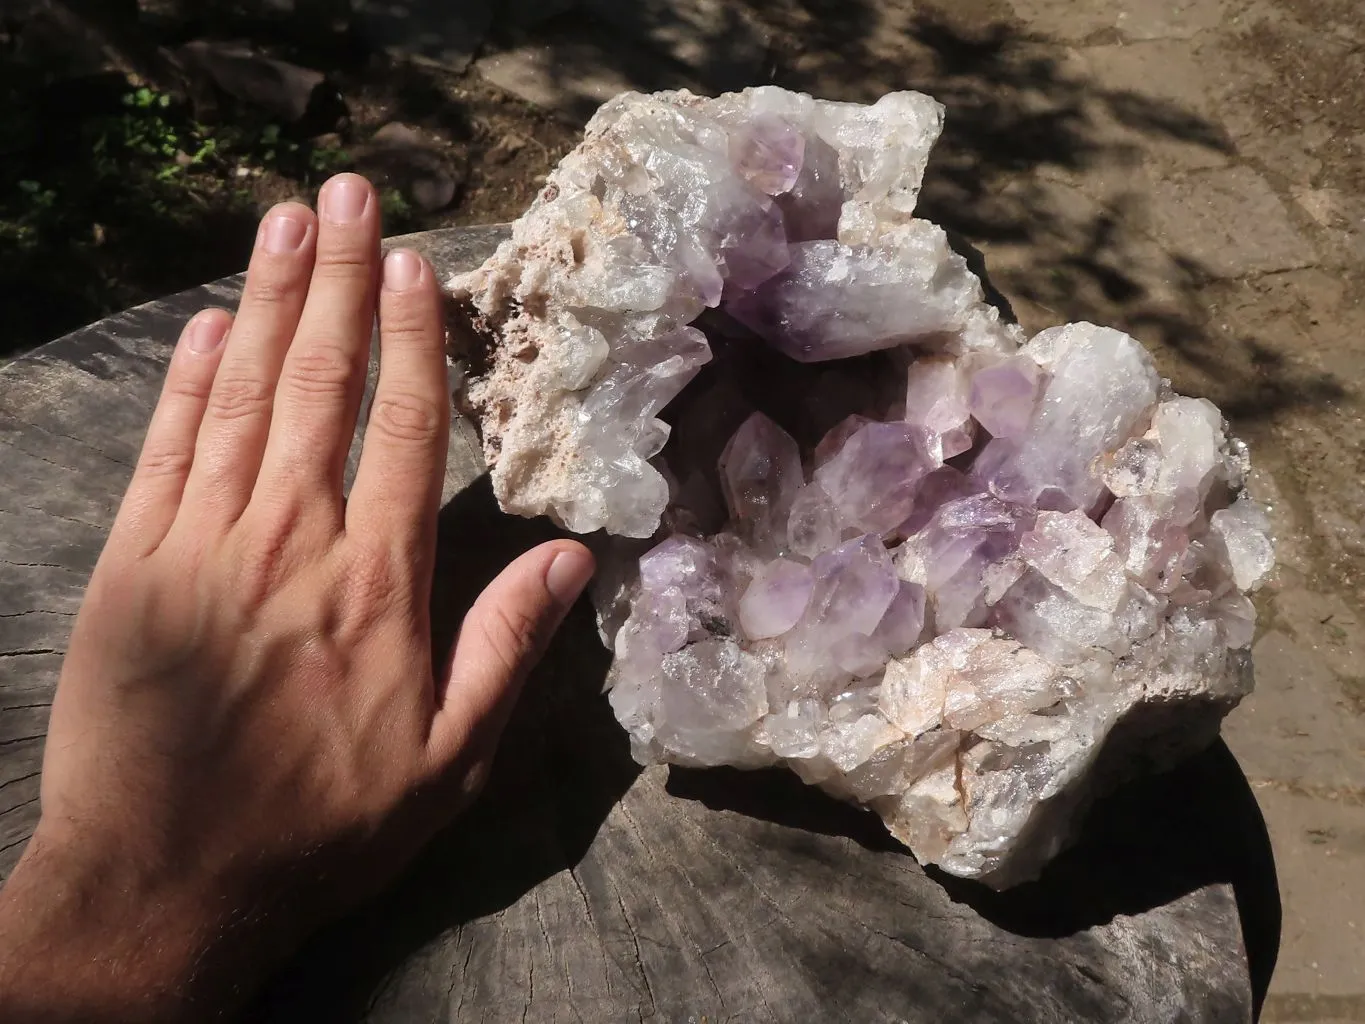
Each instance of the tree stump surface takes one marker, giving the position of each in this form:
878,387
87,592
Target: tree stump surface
583,888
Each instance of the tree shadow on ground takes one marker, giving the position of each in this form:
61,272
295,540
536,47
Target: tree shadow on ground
1023,127
1023,124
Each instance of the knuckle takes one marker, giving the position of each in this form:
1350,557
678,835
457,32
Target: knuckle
344,263
164,460
407,417
272,289
235,397
192,386
268,544
371,584
409,322
513,638
321,371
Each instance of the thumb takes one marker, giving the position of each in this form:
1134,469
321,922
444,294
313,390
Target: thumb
500,641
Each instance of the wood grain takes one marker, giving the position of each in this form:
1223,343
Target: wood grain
582,888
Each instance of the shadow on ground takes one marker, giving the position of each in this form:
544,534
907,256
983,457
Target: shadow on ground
1019,121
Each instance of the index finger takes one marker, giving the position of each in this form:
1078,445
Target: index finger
397,489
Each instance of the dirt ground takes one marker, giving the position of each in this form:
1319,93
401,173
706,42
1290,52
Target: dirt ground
1191,171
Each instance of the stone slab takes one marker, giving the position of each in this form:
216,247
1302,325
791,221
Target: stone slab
1150,103
574,64
1080,20
1228,221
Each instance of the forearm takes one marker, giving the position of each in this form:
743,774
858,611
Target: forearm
82,940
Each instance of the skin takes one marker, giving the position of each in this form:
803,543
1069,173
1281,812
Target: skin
248,737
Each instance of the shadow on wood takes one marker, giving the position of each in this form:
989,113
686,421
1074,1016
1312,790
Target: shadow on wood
536,892
1149,843
562,765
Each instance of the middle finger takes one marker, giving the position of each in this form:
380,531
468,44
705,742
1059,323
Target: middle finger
318,396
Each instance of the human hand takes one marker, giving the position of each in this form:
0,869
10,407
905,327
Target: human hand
248,735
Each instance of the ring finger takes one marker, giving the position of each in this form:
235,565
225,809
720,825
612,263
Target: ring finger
232,437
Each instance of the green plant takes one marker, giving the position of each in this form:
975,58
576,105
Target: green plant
394,206
328,161
148,130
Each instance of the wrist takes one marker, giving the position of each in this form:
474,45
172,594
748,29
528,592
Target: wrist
91,935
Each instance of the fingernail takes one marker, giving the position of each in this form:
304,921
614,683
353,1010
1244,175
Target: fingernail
402,269
205,333
344,199
568,575
284,232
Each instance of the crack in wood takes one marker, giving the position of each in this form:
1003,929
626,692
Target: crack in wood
17,842
34,455
635,945
22,739
67,519
18,779
19,806
461,979
84,444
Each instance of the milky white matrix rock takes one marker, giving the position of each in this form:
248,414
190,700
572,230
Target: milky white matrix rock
931,568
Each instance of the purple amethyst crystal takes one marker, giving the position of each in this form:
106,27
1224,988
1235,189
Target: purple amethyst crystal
834,301
1002,397
769,153
935,578
760,473
775,599
873,477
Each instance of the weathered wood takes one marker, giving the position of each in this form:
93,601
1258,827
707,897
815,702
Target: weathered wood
582,888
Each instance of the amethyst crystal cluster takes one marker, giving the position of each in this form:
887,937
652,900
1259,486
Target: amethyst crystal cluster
932,567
